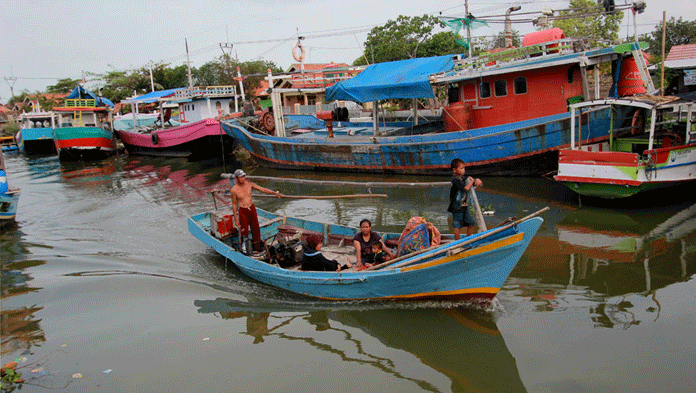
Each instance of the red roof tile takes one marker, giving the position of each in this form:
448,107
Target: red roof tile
681,52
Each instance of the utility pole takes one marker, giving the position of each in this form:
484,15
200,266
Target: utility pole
468,29
13,79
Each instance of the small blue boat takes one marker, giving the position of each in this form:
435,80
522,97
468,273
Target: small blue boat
8,197
471,268
36,132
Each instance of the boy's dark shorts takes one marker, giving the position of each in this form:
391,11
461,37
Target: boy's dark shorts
462,219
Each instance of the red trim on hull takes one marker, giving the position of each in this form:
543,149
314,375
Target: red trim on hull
85,142
592,180
598,157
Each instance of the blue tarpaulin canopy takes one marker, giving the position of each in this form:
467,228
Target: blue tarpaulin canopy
152,96
81,92
391,80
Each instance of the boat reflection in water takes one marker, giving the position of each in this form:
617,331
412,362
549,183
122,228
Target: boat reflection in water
462,344
614,262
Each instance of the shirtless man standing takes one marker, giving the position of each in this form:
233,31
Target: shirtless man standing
243,205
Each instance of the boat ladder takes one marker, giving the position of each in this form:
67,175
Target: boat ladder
77,118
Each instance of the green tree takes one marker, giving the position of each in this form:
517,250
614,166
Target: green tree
678,32
499,40
407,38
586,18
65,85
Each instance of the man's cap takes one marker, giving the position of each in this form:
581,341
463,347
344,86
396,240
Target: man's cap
239,173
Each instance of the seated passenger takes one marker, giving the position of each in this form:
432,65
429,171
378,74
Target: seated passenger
380,254
363,241
312,259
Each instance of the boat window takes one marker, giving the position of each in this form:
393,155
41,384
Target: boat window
520,85
500,88
193,106
485,89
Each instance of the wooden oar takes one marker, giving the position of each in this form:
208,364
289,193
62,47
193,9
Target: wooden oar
438,250
345,196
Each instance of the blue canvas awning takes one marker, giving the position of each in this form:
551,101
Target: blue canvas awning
152,96
391,80
81,92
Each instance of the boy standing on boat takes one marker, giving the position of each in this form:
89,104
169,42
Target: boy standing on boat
459,197
244,206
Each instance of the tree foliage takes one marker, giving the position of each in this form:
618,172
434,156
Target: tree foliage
407,38
586,18
678,32
65,85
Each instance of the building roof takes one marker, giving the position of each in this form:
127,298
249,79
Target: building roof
682,52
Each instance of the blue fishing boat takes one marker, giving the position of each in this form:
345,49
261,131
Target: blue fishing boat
8,197
83,129
35,135
507,112
471,268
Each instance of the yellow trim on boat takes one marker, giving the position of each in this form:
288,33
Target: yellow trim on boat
452,293
512,239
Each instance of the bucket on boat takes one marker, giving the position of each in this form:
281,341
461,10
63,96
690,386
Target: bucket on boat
630,82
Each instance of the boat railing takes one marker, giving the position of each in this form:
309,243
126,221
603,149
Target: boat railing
208,91
80,103
514,57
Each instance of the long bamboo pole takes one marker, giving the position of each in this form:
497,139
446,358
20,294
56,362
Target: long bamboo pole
438,250
345,196
345,183
662,68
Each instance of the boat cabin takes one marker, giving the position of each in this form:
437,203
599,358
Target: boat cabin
79,112
540,79
205,102
37,120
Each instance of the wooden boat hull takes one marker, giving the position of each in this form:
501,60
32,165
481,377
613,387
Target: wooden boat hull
202,138
478,272
74,143
8,207
612,175
36,140
523,148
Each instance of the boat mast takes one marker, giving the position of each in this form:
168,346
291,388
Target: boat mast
188,64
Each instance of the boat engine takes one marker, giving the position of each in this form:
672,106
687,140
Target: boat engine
286,255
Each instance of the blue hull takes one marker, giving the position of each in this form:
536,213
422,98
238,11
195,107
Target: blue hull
36,140
476,272
524,148
8,207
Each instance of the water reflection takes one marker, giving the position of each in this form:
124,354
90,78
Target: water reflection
19,326
611,262
463,345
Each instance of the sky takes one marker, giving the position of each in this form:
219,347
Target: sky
46,40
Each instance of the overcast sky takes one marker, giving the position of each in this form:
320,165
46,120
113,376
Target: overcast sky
43,41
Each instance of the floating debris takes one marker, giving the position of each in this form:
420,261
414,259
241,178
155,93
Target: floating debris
77,375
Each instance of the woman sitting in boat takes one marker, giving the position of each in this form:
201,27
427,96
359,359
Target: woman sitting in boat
363,241
313,259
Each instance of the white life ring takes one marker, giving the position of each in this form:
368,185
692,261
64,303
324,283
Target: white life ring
295,56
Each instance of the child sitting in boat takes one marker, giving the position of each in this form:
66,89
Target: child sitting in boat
312,259
380,254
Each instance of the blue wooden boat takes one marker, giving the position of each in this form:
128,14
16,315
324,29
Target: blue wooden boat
9,198
472,268
36,132
507,112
